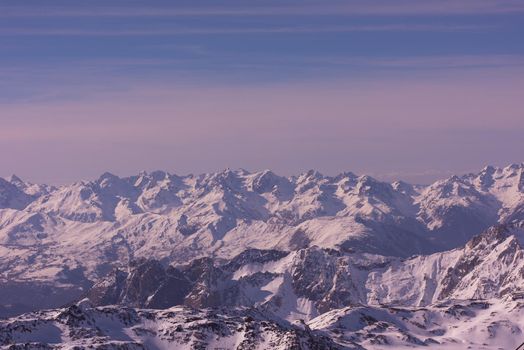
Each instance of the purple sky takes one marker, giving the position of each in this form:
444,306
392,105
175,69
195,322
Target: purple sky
413,91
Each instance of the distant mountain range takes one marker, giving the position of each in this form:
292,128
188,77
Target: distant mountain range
334,262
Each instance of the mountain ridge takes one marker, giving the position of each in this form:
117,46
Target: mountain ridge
344,262
62,237
312,298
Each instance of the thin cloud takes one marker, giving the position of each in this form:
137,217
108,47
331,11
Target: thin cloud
239,30
347,8
423,62
105,65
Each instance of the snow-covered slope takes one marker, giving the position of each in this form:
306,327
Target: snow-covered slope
455,208
482,325
67,238
312,281
490,265
83,327
453,325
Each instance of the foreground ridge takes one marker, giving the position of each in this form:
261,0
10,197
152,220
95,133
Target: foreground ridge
477,324
82,326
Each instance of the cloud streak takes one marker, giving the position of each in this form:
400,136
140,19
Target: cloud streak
89,67
7,31
328,8
35,83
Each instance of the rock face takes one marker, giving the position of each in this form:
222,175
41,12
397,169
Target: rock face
312,281
147,284
199,284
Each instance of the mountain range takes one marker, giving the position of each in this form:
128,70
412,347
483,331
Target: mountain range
330,262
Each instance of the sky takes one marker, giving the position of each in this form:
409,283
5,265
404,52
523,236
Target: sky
406,89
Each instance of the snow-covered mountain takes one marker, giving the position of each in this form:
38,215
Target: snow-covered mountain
331,252
311,281
70,236
182,217
313,298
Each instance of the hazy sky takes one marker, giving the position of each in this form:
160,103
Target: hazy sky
405,89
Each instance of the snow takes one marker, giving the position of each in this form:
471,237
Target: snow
116,219
496,324
374,226
489,324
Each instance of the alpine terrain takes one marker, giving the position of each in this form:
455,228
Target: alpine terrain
240,260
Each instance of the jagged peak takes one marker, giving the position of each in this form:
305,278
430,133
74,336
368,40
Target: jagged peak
265,172
455,178
227,172
15,180
11,186
268,174
346,175
452,185
368,185
160,175
230,173
265,181
148,179
367,179
488,169
107,176
514,166
226,178
311,175
243,172
404,187
400,183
